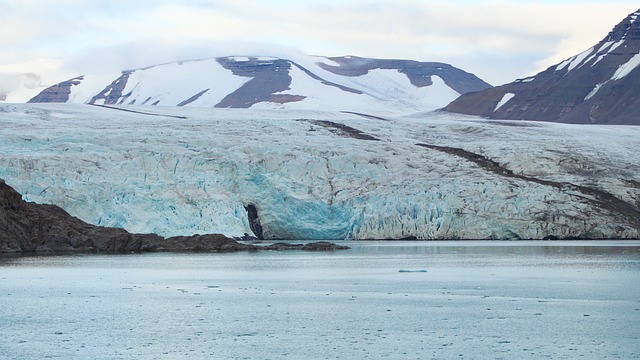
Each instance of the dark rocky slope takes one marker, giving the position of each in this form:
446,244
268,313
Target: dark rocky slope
57,93
599,86
31,227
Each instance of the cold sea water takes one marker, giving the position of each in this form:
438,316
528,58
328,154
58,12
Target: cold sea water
378,300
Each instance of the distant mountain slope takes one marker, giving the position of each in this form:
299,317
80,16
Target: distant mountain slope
599,86
306,82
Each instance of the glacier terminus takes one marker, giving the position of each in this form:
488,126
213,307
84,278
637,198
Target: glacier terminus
312,174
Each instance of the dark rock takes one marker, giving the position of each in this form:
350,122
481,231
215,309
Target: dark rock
30,227
58,93
189,100
581,90
323,246
112,94
343,130
314,246
208,243
268,78
254,221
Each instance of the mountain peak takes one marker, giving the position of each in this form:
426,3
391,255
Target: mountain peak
627,29
597,86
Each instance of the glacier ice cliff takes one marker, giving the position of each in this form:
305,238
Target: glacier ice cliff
30,227
178,171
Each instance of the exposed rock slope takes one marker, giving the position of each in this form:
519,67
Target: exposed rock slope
598,86
58,93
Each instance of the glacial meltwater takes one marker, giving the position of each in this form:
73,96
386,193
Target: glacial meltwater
378,300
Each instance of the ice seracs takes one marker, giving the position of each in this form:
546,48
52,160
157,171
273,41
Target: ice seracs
320,174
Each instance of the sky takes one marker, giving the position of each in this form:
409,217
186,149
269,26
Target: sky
497,40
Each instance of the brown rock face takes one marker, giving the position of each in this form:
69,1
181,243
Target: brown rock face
585,89
58,93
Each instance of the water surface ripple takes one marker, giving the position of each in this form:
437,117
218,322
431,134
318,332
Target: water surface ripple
392,300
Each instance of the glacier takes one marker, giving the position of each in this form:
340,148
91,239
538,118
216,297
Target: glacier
184,171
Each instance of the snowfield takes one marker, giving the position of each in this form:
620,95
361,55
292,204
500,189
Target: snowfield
321,175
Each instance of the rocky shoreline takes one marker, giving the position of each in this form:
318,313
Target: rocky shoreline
27,227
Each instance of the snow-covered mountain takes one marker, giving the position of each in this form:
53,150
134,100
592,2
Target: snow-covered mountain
598,86
303,174
306,82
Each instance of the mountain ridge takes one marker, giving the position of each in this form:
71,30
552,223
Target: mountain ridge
340,83
597,86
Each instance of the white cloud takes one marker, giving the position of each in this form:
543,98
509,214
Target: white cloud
479,36
16,75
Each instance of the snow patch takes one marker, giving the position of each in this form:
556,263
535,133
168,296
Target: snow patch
601,52
612,48
381,82
327,61
564,64
90,86
504,100
266,58
385,91
626,68
578,60
238,58
143,85
574,61
604,46
615,46
594,91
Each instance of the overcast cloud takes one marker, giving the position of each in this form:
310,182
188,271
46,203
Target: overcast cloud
497,40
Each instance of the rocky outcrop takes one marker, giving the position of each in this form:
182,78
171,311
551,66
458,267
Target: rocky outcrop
268,77
598,86
112,94
254,221
30,227
315,246
58,93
